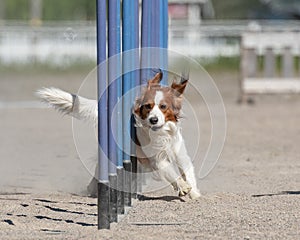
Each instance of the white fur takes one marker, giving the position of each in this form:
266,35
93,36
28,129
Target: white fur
165,148
76,106
156,112
158,97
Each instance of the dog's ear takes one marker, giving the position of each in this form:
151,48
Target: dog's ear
137,105
155,80
180,87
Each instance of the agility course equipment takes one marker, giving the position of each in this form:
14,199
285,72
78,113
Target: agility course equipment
116,185
270,47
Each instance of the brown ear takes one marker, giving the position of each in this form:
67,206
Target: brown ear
179,87
155,80
137,105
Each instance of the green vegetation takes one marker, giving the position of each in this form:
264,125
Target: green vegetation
218,64
16,9
85,9
214,65
52,9
29,67
69,10
221,64
235,9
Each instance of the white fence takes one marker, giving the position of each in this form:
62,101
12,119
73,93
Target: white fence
51,43
270,45
65,42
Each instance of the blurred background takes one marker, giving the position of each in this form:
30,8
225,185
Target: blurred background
63,32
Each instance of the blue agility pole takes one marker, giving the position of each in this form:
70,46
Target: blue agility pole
163,37
120,168
154,23
130,40
103,184
154,31
114,93
127,8
135,44
145,40
135,80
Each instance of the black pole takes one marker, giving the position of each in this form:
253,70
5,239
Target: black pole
103,203
134,177
139,178
120,192
113,198
127,182
133,158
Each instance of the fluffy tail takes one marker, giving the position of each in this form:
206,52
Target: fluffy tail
67,103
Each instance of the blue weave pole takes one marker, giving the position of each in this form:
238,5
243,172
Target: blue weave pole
103,183
130,40
145,40
135,82
120,168
154,35
127,61
163,37
114,94
154,31
136,44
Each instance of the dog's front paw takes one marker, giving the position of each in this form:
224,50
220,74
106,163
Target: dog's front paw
171,127
194,194
183,187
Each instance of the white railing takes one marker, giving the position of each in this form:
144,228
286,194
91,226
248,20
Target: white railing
64,42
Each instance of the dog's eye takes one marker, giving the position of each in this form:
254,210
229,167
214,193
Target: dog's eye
163,106
148,106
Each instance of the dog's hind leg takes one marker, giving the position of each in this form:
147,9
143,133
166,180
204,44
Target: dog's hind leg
92,188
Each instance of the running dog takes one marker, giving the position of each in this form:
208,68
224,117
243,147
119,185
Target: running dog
160,145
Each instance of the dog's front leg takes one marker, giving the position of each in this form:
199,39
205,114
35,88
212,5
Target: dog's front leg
167,172
187,170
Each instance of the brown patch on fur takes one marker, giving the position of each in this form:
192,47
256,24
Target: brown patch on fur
179,87
155,80
146,103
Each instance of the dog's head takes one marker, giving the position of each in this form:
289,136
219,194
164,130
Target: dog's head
158,105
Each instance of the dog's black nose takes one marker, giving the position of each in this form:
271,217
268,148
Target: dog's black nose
153,120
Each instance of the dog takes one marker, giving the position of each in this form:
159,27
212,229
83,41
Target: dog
160,145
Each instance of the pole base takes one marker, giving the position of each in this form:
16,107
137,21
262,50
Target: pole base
127,182
120,192
103,205
113,198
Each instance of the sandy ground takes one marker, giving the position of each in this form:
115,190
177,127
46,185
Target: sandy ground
252,193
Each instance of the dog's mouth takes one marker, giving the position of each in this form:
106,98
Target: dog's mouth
156,128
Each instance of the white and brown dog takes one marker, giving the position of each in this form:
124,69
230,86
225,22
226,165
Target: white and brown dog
157,112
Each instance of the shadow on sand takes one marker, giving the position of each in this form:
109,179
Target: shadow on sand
277,194
162,198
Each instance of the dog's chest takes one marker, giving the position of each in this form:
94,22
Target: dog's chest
158,145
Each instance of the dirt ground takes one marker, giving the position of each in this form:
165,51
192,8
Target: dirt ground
252,193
